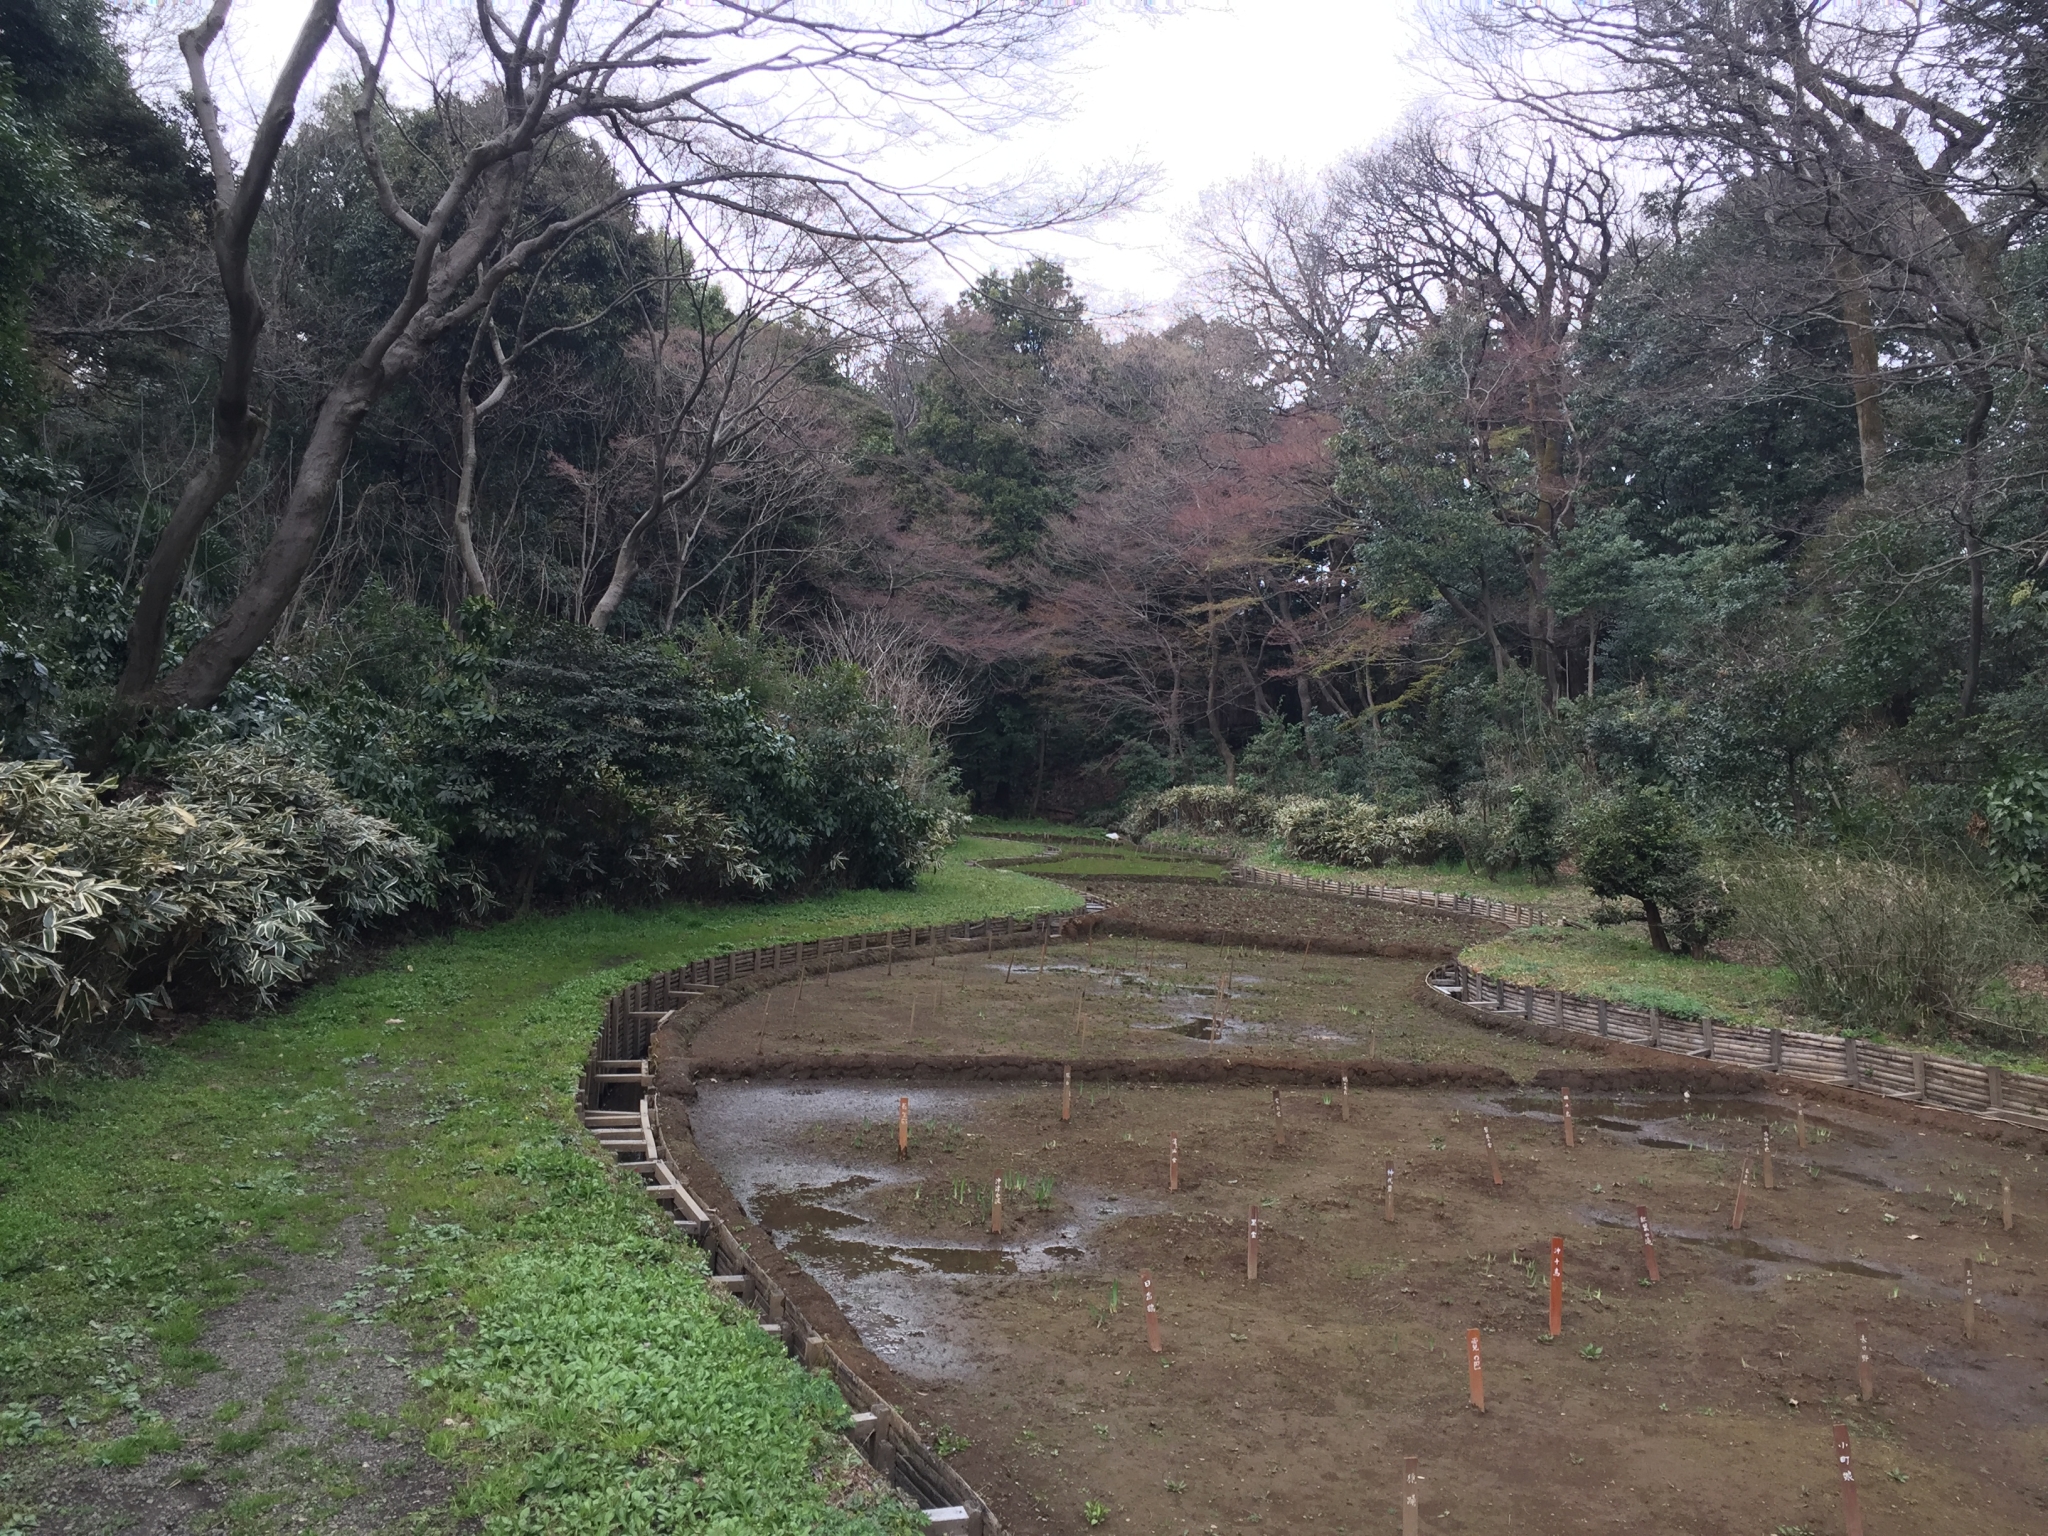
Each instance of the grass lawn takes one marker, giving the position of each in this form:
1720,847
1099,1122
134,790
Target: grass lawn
583,1377
1616,965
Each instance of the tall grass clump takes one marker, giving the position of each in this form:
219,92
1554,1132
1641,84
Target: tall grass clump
1903,950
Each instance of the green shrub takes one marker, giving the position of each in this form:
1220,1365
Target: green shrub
1345,830
1525,833
2016,819
1640,845
244,864
1201,808
1879,945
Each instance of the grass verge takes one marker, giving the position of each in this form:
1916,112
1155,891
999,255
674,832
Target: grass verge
1615,965
586,1378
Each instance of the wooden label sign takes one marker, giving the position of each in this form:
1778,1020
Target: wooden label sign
1151,1311
1852,1511
2005,1198
1345,1113
995,1209
1411,1499
1492,1159
1556,1287
1799,1123
1478,1378
1066,1094
903,1126
1863,1384
1570,1139
1741,1198
1770,1182
1173,1164
1969,1301
1649,1243
1390,1191
1251,1246
1279,1126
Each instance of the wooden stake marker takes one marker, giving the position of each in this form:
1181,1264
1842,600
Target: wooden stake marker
1852,1511
1492,1158
1172,1164
1864,1389
1066,1094
903,1126
1556,1287
2005,1194
1649,1244
1770,1180
1279,1126
1411,1499
995,1208
1478,1377
1251,1246
1741,1199
1151,1311
1570,1139
1344,1098
1799,1123
1390,1192
1969,1301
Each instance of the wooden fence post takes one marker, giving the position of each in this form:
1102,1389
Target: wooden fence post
1556,1287
1852,1512
1251,1245
1151,1311
1649,1243
1411,1499
1478,1378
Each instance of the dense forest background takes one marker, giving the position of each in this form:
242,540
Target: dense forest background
1660,413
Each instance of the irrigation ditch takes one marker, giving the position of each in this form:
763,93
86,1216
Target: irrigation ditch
644,1067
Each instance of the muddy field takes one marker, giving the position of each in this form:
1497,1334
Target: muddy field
1700,1405
1274,918
1141,999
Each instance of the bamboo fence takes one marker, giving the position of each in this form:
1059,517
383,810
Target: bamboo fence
1890,1071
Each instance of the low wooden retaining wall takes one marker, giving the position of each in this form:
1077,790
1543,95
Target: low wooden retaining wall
1511,914
1941,1082
618,1060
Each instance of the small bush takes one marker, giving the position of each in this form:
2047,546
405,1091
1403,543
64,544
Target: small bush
1524,833
1640,845
245,864
1358,834
1879,945
1201,808
2016,818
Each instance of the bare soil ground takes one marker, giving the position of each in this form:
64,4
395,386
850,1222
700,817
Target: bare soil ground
1701,1404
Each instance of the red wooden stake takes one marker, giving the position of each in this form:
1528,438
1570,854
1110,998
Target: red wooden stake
1492,1161
1472,1366
1173,1164
1649,1244
1411,1499
1741,1198
1151,1311
1864,1389
1346,1114
1066,1094
903,1126
1556,1287
1570,1139
1279,1126
1390,1191
1852,1512
995,1210
1251,1247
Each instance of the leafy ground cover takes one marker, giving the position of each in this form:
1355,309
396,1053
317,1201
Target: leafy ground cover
575,1371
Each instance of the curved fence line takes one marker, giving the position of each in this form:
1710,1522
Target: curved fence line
618,1065
1512,914
1941,1082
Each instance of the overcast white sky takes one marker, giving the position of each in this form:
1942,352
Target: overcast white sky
1202,94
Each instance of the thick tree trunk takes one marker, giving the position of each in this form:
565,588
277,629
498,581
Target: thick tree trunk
1659,941
474,583
1864,381
198,680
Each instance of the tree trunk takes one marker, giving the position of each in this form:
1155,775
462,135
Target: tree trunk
1215,720
474,584
1973,554
1659,941
1864,382
625,566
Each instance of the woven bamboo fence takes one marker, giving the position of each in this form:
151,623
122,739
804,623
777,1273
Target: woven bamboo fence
1942,1082
1512,914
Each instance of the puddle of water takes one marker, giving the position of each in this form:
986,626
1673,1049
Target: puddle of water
1788,1257
804,1224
